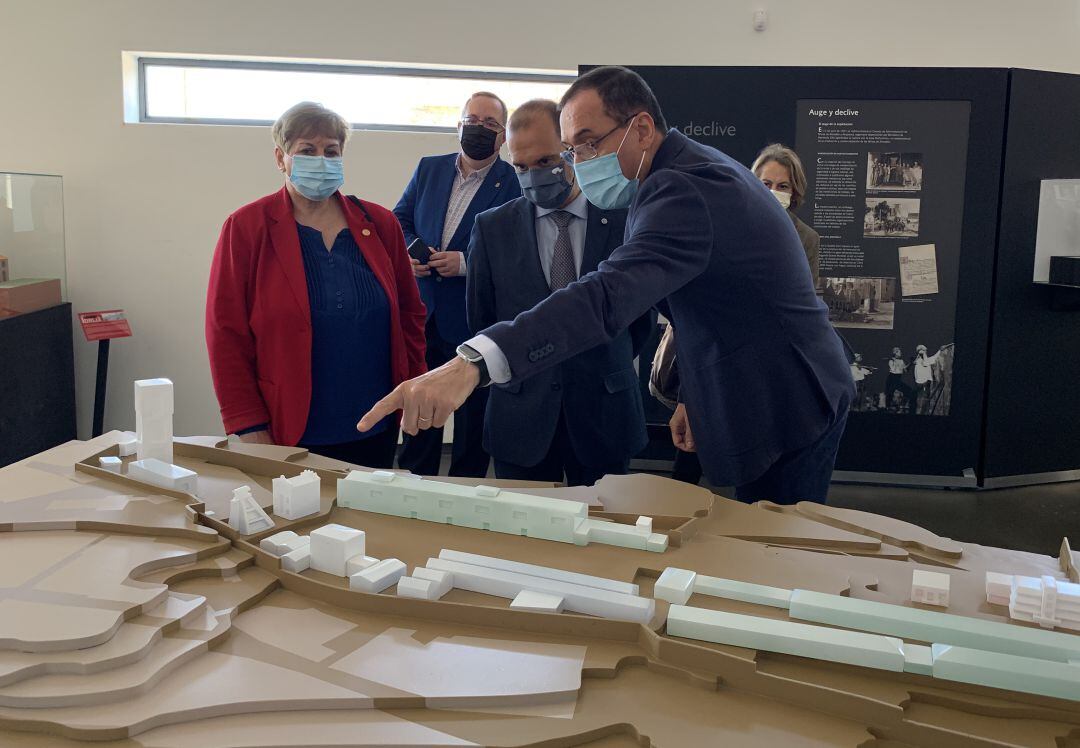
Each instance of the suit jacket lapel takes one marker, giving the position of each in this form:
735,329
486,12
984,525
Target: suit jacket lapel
286,244
444,179
532,272
596,240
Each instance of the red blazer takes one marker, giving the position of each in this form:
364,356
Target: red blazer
258,318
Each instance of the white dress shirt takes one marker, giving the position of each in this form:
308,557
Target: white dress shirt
547,232
461,194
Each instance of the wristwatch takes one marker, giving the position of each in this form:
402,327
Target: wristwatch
473,356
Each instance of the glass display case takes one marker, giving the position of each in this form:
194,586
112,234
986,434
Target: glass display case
33,260
1058,234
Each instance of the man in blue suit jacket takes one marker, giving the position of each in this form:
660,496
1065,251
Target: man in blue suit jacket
765,382
443,197
583,419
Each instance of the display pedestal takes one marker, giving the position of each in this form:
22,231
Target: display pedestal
37,382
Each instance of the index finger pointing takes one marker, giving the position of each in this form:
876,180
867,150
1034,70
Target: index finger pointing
380,410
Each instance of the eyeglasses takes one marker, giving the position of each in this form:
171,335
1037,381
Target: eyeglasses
490,123
587,150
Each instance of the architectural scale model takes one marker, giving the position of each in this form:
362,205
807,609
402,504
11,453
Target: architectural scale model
490,508
930,588
154,419
298,496
162,474
1046,601
136,616
971,651
245,515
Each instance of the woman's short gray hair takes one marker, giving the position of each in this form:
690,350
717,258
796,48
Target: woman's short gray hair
306,119
787,158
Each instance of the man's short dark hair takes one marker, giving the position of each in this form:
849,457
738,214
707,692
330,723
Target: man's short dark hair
624,93
530,111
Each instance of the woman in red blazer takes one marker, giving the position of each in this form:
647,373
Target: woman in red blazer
312,311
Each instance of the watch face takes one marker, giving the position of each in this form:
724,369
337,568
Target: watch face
469,354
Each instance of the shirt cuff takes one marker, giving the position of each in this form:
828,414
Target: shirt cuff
253,429
462,270
497,365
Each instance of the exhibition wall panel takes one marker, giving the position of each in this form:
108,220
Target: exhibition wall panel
904,169
1033,403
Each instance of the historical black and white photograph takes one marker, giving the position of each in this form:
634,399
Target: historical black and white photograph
891,217
917,382
894,172
863,303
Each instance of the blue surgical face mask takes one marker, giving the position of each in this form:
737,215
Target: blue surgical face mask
547,186
603,182
317,177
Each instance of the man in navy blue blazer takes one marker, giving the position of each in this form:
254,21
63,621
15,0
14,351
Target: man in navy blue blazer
765,383
443,197
584,418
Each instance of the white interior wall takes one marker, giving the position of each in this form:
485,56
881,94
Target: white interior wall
144,203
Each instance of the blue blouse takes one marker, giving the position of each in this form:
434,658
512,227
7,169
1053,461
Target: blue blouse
350,344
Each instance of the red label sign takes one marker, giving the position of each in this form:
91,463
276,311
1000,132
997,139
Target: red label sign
105,325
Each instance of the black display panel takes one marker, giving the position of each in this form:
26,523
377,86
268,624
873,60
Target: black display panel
1033,403
886,195
741,109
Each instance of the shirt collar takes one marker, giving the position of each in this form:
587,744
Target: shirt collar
481,174
579,207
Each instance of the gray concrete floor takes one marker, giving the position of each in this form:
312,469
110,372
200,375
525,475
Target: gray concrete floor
1030,518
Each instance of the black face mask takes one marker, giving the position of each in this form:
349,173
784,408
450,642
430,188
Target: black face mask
478,142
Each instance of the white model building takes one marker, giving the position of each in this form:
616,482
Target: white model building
112,464
998,588
930,587
378,577
298,496
333,545
127,446
284,542
154,419
245,514
164,474
1046,601
480,507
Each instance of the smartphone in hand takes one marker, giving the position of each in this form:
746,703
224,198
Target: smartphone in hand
419,251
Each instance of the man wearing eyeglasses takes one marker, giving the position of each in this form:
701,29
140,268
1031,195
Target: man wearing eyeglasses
765,383
443,197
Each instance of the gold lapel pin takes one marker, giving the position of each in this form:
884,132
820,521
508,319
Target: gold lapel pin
366,232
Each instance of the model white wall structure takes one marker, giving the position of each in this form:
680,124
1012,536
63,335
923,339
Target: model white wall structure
165,475
488,508
1046,601
930,587
333,545
298,496
154,419
964,649
481,507
576,597
245,514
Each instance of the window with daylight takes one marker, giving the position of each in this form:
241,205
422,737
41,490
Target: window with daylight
245,92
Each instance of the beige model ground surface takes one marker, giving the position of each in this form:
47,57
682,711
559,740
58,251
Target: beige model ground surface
132,616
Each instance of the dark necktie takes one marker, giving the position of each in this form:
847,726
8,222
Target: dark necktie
563,268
